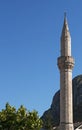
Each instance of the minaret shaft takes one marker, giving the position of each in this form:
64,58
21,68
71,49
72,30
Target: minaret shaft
66,64
66,97
66,47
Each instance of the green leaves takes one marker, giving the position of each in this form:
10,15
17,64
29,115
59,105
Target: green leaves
7,117
21,119
33,121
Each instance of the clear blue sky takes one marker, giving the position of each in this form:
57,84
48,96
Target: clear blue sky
29,46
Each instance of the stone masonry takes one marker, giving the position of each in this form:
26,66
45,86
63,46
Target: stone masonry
65,65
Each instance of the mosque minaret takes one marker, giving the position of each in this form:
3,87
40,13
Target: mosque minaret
65,65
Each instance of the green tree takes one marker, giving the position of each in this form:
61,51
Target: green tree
33,121
21,119
8,117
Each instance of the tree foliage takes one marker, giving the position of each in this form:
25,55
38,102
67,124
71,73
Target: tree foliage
21,119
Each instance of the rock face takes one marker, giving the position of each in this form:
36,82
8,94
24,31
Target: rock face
77,98
52,115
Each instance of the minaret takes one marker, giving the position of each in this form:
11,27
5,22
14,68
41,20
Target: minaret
65,65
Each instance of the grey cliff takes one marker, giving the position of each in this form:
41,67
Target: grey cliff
52,115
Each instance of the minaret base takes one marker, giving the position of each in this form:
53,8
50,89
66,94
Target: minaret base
66,126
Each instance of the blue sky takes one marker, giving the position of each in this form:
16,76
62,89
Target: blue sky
29,46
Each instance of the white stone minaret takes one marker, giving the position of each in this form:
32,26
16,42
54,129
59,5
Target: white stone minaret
66,64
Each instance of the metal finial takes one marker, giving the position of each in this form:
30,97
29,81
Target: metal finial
65,15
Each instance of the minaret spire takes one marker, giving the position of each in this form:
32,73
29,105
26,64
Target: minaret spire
65,65
64,14
65,26
65,39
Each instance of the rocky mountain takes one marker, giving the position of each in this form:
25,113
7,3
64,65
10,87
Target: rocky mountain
52,115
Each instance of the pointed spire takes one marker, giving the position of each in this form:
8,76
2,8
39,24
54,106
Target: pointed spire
65,15
65,22
65,30
65,39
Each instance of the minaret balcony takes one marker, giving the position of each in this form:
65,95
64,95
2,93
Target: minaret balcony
65,62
